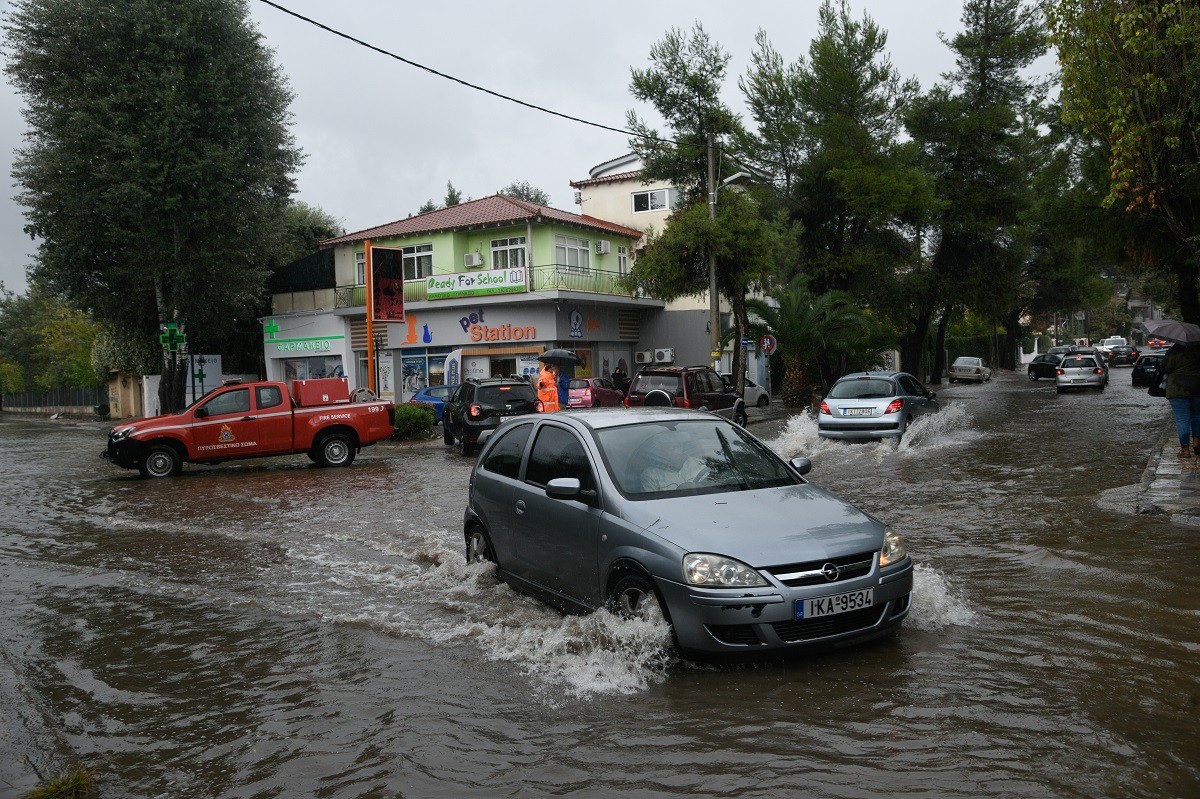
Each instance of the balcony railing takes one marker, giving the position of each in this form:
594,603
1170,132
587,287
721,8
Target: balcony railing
555,277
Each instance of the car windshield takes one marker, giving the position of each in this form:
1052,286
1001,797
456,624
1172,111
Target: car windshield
862,388
668,459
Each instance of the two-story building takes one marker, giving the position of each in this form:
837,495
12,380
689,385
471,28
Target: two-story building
473,290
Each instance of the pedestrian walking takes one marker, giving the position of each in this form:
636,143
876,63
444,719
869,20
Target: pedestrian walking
1182,368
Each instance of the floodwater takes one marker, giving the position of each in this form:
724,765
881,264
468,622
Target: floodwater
275,629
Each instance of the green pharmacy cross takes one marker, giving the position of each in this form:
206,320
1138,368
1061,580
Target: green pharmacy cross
172,339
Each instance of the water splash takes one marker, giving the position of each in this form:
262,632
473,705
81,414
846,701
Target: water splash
950,427
935,603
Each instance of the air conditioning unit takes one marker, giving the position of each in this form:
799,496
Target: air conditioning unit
473,259
603,247
665,355
643,356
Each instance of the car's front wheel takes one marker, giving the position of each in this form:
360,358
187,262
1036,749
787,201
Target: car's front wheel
763,401
1033,375
739,416
161,460
479,548
633,598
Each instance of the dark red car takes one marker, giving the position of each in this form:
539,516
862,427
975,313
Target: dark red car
593,392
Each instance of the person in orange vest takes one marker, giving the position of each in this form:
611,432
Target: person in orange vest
547,388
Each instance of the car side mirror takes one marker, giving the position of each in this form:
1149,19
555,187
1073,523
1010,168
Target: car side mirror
933,395
563,488
802,465
202,413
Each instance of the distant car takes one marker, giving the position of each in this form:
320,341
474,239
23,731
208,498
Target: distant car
752,392
1147,371
1156,343
873,405
696,387
1044,365
683,519
969,369
1081,371
593,392
479,406
1122,355
1106,344
434,396
1060,349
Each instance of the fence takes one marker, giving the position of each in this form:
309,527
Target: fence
59,400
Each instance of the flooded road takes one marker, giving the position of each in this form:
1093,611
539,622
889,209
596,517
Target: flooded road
274,629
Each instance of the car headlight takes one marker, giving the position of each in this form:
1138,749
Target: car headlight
121,435
716,571
893,550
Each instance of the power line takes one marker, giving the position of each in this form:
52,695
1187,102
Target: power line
768,183
468,84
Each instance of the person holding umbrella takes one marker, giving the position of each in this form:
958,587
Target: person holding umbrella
554,379
1182,368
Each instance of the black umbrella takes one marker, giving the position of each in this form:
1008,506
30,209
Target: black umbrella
1183,332
560,357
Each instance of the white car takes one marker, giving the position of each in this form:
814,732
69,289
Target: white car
965,368
1105,346
752,393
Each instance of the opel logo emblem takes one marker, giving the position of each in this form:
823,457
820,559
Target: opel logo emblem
830,572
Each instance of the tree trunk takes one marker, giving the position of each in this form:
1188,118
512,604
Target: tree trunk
1187,276
741,324
939,355
794,391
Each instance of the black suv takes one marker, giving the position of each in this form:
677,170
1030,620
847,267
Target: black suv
696,387
478,406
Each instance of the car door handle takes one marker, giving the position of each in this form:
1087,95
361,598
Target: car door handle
520,506
247,419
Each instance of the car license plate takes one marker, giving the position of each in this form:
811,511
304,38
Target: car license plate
1078,380
838,603
856,411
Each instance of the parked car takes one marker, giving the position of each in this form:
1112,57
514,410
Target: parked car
969,369
1080,370
435,397
1122,355
1045,365
752,392
593,392
696,387
873,405
1147,371
683,518
479,406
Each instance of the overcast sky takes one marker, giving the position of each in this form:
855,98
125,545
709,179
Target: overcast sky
382,137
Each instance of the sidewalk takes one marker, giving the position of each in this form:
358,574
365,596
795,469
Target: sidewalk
1171,484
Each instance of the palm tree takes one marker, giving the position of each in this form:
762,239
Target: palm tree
821,334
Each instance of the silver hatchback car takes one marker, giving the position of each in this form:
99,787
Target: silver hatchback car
1079,370
684,516
873,405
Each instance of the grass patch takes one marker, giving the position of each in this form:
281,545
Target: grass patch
78,783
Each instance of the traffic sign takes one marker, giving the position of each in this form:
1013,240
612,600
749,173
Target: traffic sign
767,344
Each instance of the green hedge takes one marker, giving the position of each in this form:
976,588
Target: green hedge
414,420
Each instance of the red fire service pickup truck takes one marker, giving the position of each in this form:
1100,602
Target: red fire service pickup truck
251,420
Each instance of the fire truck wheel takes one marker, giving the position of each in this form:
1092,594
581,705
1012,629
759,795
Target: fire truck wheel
161,460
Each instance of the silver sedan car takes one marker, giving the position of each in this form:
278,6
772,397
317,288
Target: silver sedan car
1079,370
873,405
682,516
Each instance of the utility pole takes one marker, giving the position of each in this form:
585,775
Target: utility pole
714,308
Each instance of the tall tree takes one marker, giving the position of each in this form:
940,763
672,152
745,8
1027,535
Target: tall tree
157,163
976,135
684,84
748,249
1131,77
524,190
304,226
857,182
